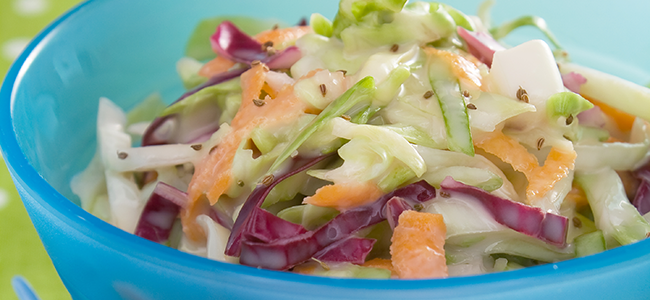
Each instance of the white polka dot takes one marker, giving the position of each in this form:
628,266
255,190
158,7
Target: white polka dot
13,47
4,199
30,7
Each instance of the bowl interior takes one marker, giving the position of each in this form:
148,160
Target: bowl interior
125,50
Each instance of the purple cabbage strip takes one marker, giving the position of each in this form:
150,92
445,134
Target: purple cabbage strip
593,117
230,42
157,133
285,253
283,59
266,227
256,198
573,81
160,212
642,197
526,219
163,130
395,207
479,44
214,80
351,249
221,217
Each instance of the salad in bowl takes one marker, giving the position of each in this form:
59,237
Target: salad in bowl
397,140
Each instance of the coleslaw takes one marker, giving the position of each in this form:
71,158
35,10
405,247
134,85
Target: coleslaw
397,140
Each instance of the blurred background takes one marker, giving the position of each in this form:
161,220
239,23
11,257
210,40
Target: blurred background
21,251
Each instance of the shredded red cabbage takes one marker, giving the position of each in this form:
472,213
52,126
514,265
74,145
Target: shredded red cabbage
165,129
351,249
642,197
593,117
283,254
479,44
573,81
160,212
526,219
283,59
214,80
230,42
256,198
394,207
220,216
265,227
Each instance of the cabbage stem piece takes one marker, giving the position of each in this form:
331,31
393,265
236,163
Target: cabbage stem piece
361,91
620,222
447,90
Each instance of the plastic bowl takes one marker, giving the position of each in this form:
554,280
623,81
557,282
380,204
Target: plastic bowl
125,49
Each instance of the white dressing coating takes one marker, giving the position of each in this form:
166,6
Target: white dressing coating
123,194
309,90
381,64
492,109
437,159
618,156
394,143
463,216
217,236
402,115
90,186
613,213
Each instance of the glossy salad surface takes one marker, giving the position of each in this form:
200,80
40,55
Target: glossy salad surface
397,140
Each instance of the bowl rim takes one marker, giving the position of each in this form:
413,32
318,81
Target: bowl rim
25,175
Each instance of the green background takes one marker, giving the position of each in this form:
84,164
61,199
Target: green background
21,251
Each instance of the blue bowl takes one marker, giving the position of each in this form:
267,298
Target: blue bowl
124,50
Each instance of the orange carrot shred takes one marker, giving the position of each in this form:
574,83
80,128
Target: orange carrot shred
508,150
344,196
462,68
557,166
218,65
381,263
417,248
624,121
541,179
282,38
213,176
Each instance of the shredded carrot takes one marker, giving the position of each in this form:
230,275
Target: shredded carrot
577,196
218,65
213,176
344,196
557,166
541,179
282,38
624,121
417,247
308,268
461,67
508,150
381,263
